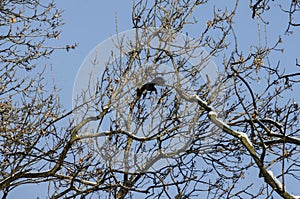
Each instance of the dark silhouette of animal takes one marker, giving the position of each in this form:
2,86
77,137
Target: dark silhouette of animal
149,87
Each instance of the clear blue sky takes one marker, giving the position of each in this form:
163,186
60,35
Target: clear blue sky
87,23
92,21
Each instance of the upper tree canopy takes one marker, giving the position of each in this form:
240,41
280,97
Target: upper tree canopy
157,112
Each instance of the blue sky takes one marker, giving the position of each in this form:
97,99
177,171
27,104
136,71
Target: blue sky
92,21
87,23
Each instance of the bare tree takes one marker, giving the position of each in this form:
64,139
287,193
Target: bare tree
28,110
162,120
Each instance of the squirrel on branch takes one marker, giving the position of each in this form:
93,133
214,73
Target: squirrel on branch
159,81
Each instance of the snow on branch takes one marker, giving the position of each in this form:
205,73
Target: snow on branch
243,137
278,183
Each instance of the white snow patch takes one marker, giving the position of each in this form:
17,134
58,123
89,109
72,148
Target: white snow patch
244,135
275,179
212,114
197,98
296,197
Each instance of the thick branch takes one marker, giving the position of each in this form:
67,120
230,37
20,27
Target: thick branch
268,175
